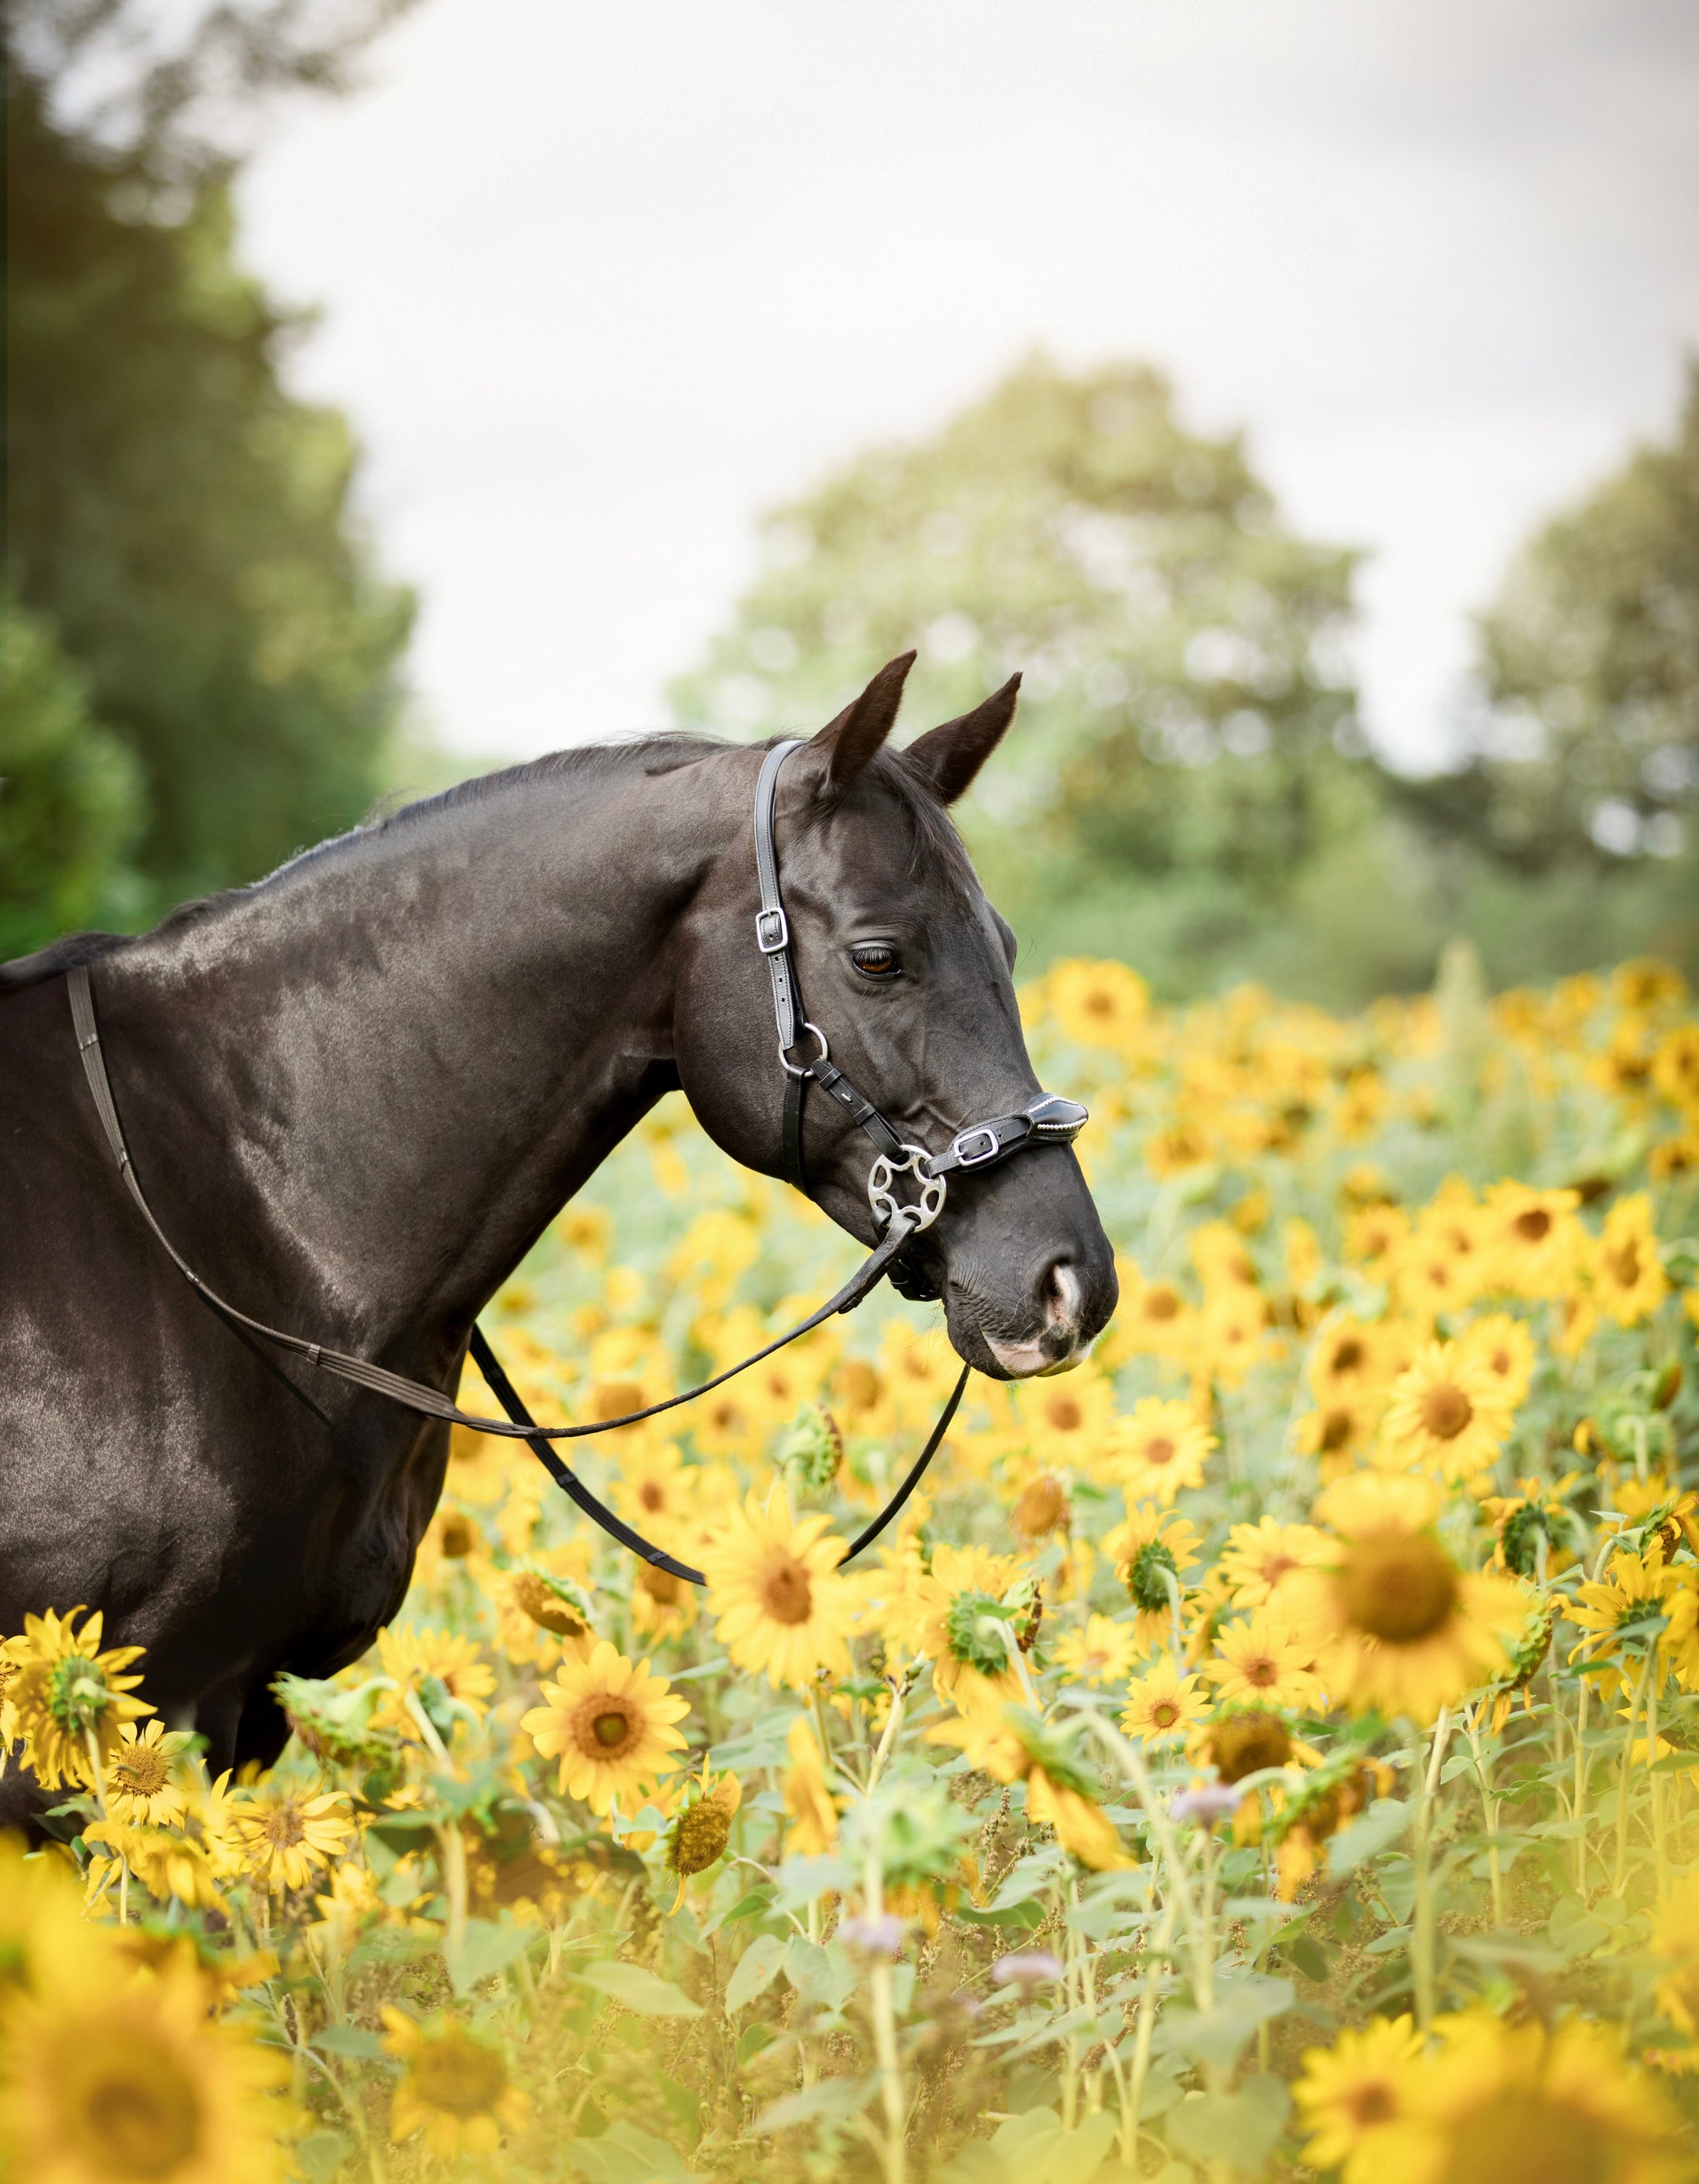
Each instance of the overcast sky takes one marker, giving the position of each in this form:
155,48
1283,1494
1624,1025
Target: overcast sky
601,281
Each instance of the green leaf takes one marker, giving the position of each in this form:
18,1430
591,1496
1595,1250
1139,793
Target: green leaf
350,2040
636,1989
1020,1918
755,1971
1216,2036
1379,1828
623,2155
833,2100
1239,2128
821,1976
482,1950
1309,1956
317,2157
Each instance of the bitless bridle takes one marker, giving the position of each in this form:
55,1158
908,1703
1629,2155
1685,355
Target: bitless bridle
1045,1120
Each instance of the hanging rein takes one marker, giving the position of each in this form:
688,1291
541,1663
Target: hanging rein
1045,1120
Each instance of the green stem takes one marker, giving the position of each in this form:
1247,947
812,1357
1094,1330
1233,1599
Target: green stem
885,2017
1422,1938
1636,1704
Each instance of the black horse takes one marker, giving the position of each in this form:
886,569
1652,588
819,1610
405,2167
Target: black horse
357,1092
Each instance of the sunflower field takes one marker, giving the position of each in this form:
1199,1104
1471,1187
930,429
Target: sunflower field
1270,1749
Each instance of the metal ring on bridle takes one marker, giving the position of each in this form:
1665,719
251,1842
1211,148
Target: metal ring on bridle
886,1206
824,1055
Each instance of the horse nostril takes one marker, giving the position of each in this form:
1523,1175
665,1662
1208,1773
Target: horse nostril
1061,1293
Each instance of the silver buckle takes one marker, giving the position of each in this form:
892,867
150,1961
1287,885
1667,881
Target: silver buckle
958,1146
772,922
886,1206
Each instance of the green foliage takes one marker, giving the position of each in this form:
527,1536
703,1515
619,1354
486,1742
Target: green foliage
70,795
1187,714
182,521
1591,660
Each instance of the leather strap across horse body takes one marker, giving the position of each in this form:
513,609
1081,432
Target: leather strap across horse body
1046,1119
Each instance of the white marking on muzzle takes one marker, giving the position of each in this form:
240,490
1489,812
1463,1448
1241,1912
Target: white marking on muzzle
1022,1360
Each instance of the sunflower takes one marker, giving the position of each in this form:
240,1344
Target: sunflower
609,1722
1675,1943
1257,1559
1162,1704
1153,1319
1532,1239
861,1397
656,1488
1505,1346
662,1606
142,1775
1067,1420
813,1810
1396,1624
586,1230
1374,1236
701,1827
1632,1592
103,2079
290,1832
721,1426
67,1694
1099,1004
1350,2092
1629,1280
1504,2103
1104,1652
1159,1450
1259,1661
454,2087
1446,1413
1530,1526
1675,1067
1232,1336
1014,1745
1041,1508
919,1369
1339,1431
780,1605
1150,1551
440,1671
540,1611
958,1615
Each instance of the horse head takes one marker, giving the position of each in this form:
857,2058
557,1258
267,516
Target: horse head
906,970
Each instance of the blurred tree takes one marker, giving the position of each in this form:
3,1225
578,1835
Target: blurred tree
71,806
182,523
1187,712
1587,745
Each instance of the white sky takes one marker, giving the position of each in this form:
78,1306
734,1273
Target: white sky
600,281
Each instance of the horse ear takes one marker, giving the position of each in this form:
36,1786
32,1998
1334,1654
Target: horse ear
949,756
848,743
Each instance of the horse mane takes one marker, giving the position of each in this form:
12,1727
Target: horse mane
933,838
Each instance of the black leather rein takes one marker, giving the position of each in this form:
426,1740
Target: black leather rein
1046,1119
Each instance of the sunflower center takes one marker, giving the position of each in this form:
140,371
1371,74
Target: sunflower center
545,1607
141,2117
651,1495
459,2076
1400,1588
459,1537
1348,1357
1276,1567
1161,1304
1335,1431
787,1594
1517,2137
281,1826
661,1586
1244,1743
1534,1226
614,1398
1042,1506
1159,1449
860,1383
1065,1413
141,1772
1372,2102
1164,1714
1625,1264
1263,1670
701,1836
610,1729
603,1727
1446,1411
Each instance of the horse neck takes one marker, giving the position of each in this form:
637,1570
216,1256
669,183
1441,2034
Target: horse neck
365,1086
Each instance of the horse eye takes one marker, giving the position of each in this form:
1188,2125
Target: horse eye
876,959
